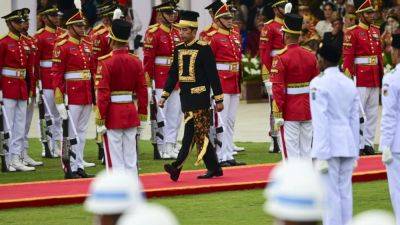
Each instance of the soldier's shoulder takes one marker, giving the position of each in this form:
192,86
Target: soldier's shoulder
101,58
101,31
61,42
153,28
87,40
202,43
40,31
307,49
98,27
207,28
134,55
63,35
351,28
375,26
3,36
268,22
282,51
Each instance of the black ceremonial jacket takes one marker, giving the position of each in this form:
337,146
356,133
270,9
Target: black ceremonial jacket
195,69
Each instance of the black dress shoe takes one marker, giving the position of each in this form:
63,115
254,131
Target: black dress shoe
211,174
369,150
82,173
362,152
224,164
72,175
173,172
233,162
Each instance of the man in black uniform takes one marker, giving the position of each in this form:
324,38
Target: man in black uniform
195,69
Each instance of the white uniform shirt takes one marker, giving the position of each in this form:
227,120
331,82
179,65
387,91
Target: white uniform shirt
335,115
390,124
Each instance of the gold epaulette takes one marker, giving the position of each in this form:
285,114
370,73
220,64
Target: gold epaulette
98,27
62,35
212,33
280,52
3,36
153,28
154,25
351,28
104,56
62,42
40,31
268,22
203,43
207,28
101,31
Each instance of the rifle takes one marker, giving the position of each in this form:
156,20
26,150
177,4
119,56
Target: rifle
67,144
155,125
44,123
4,136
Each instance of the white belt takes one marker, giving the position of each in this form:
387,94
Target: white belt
14,73
163,60
46,63
84,75
228,66
274,52
372,60
297,91
121,98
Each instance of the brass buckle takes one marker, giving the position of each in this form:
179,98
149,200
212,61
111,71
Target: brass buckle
234,67
373,60
86,75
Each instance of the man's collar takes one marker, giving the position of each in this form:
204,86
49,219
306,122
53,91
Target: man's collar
191,43
165,28
74,40
49,29
13,36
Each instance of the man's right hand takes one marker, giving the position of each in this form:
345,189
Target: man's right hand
161,103
322,166
219,106
62,110
101,129
387,156
268,87
278,122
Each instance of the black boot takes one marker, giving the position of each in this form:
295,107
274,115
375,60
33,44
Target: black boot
369,150
276,145
173,172
82,173
211,174
156,153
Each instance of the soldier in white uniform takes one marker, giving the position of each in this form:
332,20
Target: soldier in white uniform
335,119
390,129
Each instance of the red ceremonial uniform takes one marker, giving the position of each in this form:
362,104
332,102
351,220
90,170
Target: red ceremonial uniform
227,50
46,39
160,42
271,41
292,70
15,67
204,34
30,46
119,75
100,42
362,55
72,70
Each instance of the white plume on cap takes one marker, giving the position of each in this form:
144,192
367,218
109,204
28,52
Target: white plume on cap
117,14
78,4
288,7
224,1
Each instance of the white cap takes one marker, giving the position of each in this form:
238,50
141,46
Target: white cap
114,192
374,217
295,192
149,214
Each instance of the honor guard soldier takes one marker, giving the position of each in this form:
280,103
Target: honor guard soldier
194,68
160,41
120,75
271,42
335,106
204,35
362,59
292,70
227,50
390,128
31,49
16,74
45,40
72,70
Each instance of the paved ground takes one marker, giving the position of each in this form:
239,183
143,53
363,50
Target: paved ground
251,124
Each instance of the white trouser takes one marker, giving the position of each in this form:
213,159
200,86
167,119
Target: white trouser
228,116
29,115
297,138
16,115
120,147
370,100
393,174
80,115
55,129
173,117
339,193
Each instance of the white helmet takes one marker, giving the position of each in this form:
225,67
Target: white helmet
114,192
373,217
149,214
295,192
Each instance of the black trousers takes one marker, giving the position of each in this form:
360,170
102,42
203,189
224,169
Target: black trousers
197,127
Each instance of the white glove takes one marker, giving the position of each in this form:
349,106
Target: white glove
31,100
149,94
101,129
268,87
322,166
278,122
355,164
387,156
1,95
62,111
